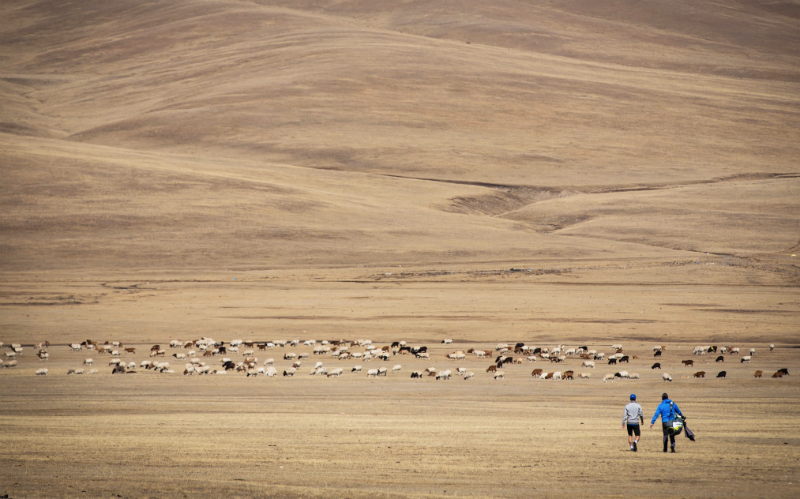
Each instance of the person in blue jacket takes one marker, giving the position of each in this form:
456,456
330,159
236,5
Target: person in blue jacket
667,410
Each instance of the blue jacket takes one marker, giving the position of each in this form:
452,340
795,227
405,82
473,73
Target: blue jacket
665,412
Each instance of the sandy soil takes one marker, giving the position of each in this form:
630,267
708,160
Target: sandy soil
567,172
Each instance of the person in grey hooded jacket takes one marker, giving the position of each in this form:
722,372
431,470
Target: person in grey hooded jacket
630,419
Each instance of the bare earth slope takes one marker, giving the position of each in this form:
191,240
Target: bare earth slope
550,172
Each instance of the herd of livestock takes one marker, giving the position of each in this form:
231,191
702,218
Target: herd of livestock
207,356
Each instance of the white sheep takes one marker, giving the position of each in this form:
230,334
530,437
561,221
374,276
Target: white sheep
499,375
191,353
114,362
397,368
179,356
269,362
233,350
246,353
372,373
382,371
666,377
599,356
146,364
557,375
746,358
623,374
132,365
43,356
589,364
88,362
480,354
461,371
570,351
447,342
532,358
271,372
752,351
585,375
76,347
633,376
336,372
93,371
41,372
356,369
734,350
608,377
771,347
11,355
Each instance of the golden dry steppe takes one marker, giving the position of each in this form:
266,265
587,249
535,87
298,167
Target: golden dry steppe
554,172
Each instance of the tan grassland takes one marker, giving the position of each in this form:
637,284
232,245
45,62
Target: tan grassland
572,172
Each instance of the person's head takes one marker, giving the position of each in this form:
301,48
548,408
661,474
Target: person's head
664,396
633,397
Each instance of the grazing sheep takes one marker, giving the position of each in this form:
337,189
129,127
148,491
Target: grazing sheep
585,375
146,364
289,356
469,375
536,373
720,359
336,372
784,370
289,372
722,374
9,364
752,351
633,376
687,363
43,356
11,355
416,374
88,362
397,368
600,356
735,350
356,369
447,342
699,374
622,375
746,358
372,373
758,374
93,371
499,375
771,347
588,364
666,377
41,372
382,371
114,362
179,356
657,365
608,377
76,347
480,354
422,355
557,375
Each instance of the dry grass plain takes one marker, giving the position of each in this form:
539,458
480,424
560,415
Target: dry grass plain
349,169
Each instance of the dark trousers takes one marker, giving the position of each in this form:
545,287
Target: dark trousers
665,428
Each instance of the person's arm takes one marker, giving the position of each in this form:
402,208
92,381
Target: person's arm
677,411
655,416
624,416
641,415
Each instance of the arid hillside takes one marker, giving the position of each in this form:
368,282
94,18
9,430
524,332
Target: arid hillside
189,133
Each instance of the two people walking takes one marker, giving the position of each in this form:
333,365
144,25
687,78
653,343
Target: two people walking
667,410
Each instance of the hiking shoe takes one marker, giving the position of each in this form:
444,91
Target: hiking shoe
673,450
634,447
